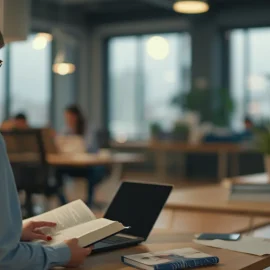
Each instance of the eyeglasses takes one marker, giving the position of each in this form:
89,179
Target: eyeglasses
1,63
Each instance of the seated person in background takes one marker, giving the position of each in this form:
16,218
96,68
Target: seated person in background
247,134
75,125
16,250
19,122
7,125
248,124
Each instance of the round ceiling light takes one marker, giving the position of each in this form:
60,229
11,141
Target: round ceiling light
191,6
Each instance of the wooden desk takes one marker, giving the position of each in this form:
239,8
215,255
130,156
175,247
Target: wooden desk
84,160
229,260
161,148
116,160
79,160
215,199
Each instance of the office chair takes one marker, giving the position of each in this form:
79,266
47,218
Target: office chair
27,156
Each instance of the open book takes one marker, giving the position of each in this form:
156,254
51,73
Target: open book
76,220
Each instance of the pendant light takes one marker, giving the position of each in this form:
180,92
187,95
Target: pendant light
63,61
191,6
41,40
61,66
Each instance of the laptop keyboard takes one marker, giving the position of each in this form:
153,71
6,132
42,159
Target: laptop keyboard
113,240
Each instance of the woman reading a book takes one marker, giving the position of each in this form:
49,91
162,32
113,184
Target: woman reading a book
16,250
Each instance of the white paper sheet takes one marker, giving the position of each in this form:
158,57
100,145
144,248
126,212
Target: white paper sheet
247,244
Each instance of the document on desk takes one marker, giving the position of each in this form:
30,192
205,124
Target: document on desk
247,244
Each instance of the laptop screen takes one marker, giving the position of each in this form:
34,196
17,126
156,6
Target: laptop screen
138,205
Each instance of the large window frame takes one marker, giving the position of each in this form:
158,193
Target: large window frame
247,100
7,77
106,64
52,105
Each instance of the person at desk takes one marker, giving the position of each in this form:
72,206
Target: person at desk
75,125
19,122
16,250
247,134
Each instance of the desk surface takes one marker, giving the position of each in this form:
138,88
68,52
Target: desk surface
228,259
93,159
215,199
80,160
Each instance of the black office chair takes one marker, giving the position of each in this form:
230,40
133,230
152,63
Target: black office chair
28,159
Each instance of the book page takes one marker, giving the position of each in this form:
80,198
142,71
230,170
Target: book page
66,216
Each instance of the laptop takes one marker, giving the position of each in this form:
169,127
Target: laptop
62,143
137,205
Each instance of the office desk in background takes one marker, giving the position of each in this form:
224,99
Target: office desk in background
229,260
79,160
83,160
261,178
215,199
161,148
116,160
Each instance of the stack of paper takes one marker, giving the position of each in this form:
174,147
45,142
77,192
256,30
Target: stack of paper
247,244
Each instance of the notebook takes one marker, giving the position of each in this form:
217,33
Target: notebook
76,220
185,258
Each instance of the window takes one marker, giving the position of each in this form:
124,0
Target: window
2,86
145,73
30,81
250,74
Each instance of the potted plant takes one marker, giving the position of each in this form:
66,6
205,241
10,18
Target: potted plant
180,132
262,136
155,131
199,101
194,101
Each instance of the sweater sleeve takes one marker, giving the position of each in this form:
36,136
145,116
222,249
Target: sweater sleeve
13,253
26,256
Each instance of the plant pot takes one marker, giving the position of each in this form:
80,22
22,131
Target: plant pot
267,166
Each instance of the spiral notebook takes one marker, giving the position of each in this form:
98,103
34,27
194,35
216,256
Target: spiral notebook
186,258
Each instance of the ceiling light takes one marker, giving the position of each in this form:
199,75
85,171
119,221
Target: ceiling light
62,66
41,40
191,6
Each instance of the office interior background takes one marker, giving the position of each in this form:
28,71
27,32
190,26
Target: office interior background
147,74
133,57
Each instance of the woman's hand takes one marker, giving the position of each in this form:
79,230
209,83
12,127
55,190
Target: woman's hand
78,254
31,231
